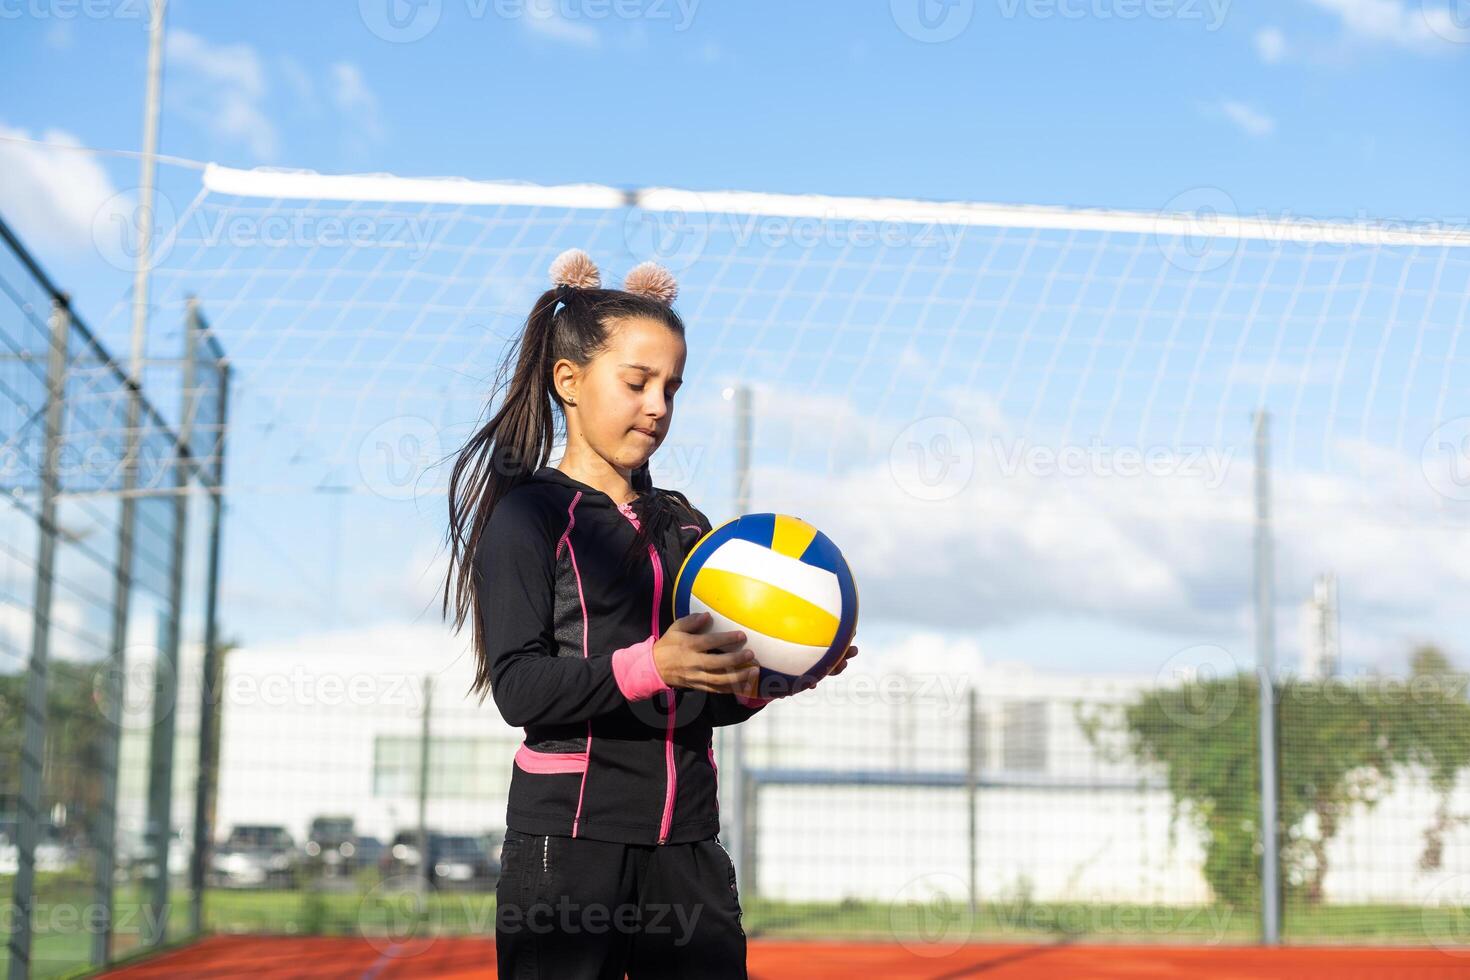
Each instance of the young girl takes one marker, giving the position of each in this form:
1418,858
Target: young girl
611,861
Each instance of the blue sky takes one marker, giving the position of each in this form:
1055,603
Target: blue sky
1325,108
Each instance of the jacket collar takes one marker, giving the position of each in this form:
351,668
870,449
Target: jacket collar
590,494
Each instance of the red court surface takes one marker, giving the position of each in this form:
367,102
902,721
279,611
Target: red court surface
460,957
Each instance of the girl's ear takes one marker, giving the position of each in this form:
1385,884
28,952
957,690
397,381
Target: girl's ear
564,381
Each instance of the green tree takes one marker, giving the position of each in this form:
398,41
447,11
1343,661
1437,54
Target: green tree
1341,745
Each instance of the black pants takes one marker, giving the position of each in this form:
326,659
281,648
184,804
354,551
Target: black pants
573,908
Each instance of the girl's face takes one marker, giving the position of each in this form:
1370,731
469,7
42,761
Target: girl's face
625,396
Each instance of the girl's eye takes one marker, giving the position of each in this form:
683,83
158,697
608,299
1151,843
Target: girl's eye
641,387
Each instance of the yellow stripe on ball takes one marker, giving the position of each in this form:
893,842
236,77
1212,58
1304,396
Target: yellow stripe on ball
765,608
791,536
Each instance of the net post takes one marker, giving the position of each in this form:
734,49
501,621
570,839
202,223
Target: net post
1265,598
33,737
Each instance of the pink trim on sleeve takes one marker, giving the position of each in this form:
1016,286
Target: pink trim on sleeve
746,702
550,762
635,672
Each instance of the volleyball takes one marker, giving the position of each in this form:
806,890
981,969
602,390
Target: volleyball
781,581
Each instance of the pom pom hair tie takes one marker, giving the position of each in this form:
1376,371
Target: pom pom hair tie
574,269
653,281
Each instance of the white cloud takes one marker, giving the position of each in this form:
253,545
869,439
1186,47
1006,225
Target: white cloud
544,19
54,195
223,91
1270,45
1249,120
1408,24
353,98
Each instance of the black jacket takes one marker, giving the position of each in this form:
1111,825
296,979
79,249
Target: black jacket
570,644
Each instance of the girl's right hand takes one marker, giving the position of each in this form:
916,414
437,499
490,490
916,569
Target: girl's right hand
686,657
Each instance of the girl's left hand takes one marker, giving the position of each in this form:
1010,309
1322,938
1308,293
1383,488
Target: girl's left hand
841,663
752,689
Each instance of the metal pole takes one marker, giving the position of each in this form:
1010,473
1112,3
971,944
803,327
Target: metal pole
425,868
33,744
1266,683
209,694
105,838
166,669
972,796
740,817
145,190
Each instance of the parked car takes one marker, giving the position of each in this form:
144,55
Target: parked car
256,855
53,851
370,851
331,847
136,859
455,860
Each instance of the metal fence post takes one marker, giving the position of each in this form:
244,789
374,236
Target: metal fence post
204,786
33,744
166,667
1266,684
972,795
425,868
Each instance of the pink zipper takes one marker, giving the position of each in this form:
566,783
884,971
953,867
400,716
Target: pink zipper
672,778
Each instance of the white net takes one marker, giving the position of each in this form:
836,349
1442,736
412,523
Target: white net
947,388
1030,430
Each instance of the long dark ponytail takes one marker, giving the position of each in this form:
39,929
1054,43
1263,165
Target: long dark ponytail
566,322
